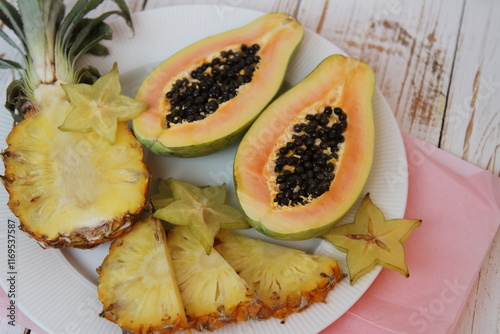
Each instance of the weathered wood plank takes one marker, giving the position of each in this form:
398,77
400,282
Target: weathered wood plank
410,45
482,313
285,6
472,122
472,131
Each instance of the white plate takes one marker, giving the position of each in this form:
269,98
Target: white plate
57,289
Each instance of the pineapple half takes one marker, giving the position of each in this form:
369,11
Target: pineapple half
69,189
137,284
213,293
287,280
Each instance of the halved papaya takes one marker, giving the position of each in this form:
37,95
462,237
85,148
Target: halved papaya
304,162
204,96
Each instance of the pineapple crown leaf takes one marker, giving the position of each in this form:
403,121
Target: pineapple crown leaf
90,40
40,21
87,74
52,42
124,12
73,22
17,103
87,30
6,64
10,41
74,17
98,50
80,35
12,19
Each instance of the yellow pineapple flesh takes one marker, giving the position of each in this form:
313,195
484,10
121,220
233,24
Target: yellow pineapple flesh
137,284
213,293
287,280
72,189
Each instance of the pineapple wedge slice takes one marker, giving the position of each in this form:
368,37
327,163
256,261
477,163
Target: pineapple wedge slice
287,280
137,284
213,293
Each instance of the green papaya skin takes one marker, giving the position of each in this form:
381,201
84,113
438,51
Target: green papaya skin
191,151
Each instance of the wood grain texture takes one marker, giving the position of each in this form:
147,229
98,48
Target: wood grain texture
472,123
410,46
472,131
482,313
285,6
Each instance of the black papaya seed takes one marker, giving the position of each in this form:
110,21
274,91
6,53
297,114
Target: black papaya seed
212,83
309,157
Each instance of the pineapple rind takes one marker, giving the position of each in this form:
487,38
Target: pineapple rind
213,293
137,284
72,189
287,280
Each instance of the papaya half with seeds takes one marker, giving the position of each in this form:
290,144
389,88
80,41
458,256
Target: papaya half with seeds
203,97
304,162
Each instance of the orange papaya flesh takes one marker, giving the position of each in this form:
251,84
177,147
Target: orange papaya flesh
338,82
277,36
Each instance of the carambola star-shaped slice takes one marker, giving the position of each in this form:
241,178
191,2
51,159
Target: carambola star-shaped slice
202,209
372,240
99,107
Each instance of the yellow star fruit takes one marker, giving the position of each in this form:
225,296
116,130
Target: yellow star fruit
99,107
163,197
202,209
372,240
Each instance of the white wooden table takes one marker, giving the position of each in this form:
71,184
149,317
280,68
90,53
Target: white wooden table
434,62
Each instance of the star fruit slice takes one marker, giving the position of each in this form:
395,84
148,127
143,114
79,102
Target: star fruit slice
99,107
163,197
372,240
202,209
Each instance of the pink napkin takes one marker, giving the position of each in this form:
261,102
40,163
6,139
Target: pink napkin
460,208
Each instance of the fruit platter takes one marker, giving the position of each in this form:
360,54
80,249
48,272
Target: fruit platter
58,282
